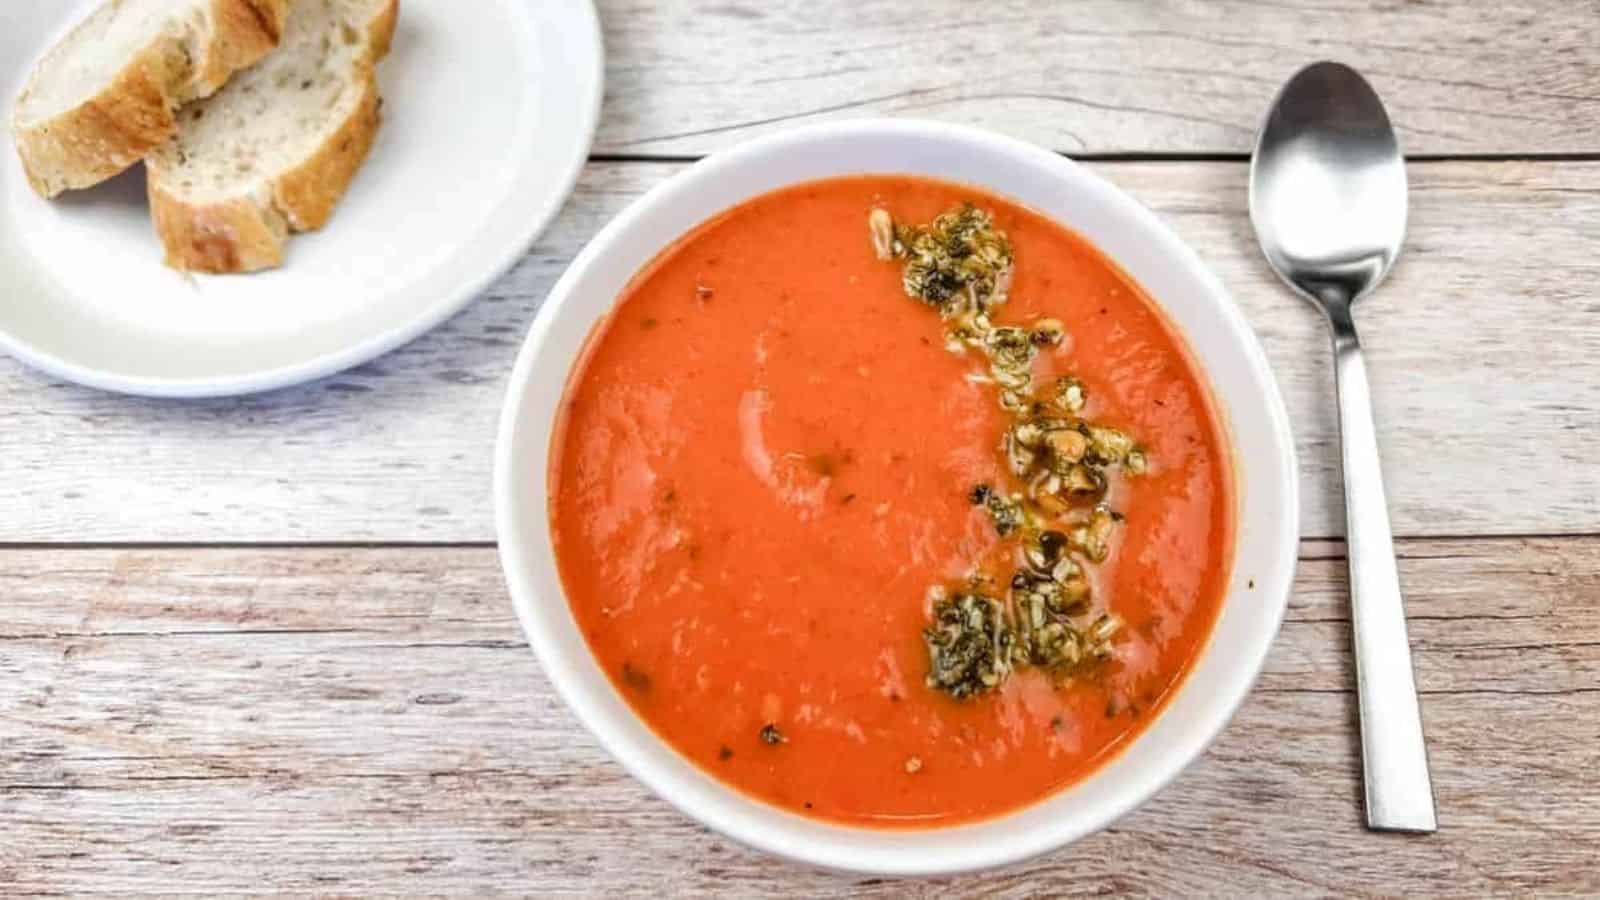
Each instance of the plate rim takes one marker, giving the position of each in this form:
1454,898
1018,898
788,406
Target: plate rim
377,344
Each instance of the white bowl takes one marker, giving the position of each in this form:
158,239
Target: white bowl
1172,274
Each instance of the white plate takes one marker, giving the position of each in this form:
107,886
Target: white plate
489,110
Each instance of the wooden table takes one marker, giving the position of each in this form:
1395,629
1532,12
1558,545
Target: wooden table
264,643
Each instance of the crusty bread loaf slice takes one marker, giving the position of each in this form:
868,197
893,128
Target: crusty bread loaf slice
273,151
104,96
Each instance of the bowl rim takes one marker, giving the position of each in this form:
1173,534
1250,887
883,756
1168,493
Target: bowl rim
787,835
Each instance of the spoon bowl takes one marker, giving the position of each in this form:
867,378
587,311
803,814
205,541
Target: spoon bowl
1328,185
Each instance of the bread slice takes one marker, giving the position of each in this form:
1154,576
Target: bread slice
104,96
273,151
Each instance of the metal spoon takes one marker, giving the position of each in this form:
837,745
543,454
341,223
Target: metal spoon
1328,199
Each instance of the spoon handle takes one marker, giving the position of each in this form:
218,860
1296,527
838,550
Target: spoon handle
1395,760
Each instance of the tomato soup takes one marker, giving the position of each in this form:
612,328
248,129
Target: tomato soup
765,467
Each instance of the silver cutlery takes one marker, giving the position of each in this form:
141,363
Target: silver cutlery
1328,201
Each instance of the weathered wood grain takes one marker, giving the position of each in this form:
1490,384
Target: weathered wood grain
1163,76
1484,348
360,719
368,719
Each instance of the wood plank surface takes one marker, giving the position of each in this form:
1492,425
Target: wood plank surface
1105,76
1484,348
349,708
356,720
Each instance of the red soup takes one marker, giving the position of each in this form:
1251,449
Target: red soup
891,502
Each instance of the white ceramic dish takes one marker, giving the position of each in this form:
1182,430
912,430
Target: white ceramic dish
489,111
1168,269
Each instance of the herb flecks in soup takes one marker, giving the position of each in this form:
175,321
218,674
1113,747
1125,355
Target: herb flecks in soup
1060,467
752,494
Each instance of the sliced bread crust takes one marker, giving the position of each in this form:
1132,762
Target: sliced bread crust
245,230
189,55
